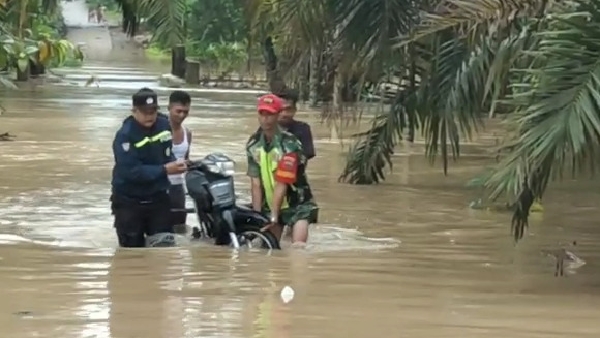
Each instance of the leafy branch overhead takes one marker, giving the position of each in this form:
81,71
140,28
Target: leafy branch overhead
451,64
535,62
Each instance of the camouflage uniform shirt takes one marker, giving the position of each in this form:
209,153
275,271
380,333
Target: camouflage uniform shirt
299,195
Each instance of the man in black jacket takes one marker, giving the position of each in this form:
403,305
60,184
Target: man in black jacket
143,160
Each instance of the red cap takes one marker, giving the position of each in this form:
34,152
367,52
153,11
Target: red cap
270,103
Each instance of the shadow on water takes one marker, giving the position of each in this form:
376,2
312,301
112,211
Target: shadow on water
407,256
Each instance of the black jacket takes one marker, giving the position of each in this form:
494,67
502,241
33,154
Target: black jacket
140,155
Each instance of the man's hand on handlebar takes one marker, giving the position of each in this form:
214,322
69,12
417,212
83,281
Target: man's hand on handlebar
176,167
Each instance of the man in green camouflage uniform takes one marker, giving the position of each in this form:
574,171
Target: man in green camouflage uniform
276,167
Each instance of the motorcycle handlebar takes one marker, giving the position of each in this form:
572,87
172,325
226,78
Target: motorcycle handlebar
194,165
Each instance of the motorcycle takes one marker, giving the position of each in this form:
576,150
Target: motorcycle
210,185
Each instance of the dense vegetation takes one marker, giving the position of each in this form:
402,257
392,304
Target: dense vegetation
31,33
448,63
214,32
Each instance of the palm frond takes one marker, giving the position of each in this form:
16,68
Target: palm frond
507,55
455,97
371,25
372,153
474,17
168,18
557,109
305,22
445,104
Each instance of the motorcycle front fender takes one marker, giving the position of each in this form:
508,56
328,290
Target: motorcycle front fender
244,215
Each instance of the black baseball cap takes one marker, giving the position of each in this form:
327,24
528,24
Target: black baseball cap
145,97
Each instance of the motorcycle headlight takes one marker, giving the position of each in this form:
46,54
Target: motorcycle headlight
213,168
227,167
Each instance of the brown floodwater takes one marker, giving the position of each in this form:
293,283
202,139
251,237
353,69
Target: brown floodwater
406,258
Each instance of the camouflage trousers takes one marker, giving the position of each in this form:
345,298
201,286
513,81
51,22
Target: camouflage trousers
308,211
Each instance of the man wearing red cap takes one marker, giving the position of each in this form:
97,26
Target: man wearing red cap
276,166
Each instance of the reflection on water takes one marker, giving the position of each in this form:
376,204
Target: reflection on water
175,293
406,258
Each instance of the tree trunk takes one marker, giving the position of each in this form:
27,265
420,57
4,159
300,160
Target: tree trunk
192,72
337,93
178,61
336,100
412,122
274,79
303,80
313,77
36,68
338,79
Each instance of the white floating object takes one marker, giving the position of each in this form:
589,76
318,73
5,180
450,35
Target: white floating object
287,294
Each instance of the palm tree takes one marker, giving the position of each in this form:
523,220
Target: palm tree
331,43
534,62
538,61
167,17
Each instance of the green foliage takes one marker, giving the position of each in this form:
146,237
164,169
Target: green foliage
167,19
31,31
538,60
225,57
71,62
156,52
215,32
216,21
48,25
452,61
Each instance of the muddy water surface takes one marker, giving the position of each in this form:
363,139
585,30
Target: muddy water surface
407,258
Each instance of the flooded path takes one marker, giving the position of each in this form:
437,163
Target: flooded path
407,258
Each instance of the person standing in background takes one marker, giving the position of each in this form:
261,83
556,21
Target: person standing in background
297,128
91,15
99,14
179,109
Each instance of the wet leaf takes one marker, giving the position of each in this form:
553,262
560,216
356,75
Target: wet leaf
44,48
9,49
4,82
31,50
23,63
6,40
59,54
65,45
16,47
